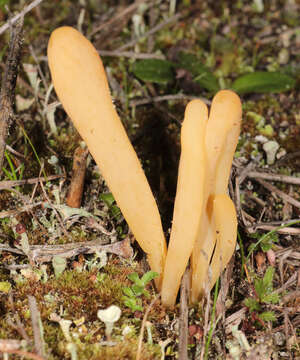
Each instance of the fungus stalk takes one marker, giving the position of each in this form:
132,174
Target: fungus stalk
223,128
80,82
109,316
188,206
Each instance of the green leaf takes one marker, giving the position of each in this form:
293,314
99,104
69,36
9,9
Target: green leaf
137,289
5,286
264,286
149,276
252,304
134,277
267,316
201,74
268,279
116,212
107,198
133,304
268,242
146,294
2,5
154,70
128,291
272,298
251,248
263,82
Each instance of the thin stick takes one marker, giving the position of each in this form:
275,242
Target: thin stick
26,9
167,98
156,28
45,253
140,343
8,86
280,193
12,183
78,174
119,16
16,323
37,327
183,318
287,230
131,54
7,213
274,177
22,353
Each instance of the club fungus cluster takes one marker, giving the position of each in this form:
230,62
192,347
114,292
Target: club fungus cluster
204,223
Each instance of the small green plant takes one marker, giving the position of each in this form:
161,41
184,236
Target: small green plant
267,242
12,173
132,294
267,236
264,295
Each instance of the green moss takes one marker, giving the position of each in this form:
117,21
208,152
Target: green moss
121,350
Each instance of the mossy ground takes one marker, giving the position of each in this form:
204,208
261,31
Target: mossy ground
230,38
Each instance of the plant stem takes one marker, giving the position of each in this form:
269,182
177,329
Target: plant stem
213,314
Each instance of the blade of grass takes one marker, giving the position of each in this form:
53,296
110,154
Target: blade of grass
268,234
34,151
7,173
11,165
213,315
242,252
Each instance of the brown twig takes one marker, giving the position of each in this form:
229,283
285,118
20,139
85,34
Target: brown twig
9,345
287,230
45,253
235,319
156,28
288,283
78,175
8,85
130,9
36,321
183,317
15,322
12,183
26,9
278,192
140,342
274,177
131,54
23,353
166,98
26,207
293,295
206,315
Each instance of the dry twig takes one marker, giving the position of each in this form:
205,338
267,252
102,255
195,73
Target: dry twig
36,326
274,177
78,175
131,54
22,353
15,322
183,317
127,11
280,193
26,9
12,183
140,343
152,31
8,85
26,207
166,98
45,253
